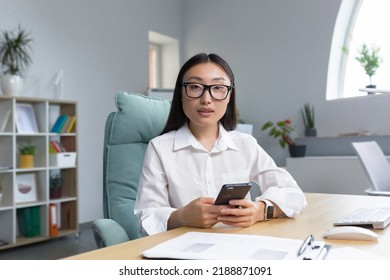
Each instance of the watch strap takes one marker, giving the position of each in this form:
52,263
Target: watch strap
268,210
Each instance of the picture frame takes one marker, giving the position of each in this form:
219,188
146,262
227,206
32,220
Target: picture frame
25,119
4,117
26,189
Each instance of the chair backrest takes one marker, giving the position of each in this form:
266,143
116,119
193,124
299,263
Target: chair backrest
374,163
127,132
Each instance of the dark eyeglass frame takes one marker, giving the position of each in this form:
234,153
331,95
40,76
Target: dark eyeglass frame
207,87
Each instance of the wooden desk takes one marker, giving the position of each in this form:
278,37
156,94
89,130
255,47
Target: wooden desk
322,210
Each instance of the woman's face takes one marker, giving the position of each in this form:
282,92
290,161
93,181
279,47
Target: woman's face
205,111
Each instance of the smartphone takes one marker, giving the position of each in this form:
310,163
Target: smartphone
232,191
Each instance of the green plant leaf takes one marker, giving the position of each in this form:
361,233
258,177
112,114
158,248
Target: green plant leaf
369,59
15,51
267,125
282,143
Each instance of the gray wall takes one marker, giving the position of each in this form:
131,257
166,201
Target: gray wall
278,49
102,46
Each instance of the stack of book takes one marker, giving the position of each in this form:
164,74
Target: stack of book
29,224
63,124
56,147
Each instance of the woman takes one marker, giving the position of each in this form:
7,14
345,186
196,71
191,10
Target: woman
199,151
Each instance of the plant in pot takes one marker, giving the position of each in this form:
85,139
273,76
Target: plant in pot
370,60
56,186
27,153
308,118
14,58
242,126
282,130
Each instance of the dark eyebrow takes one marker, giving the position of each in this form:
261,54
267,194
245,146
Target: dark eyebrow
199,79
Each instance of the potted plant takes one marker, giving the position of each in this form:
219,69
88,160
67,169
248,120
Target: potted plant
308,118
27,153
14,58
370,60
56,186
282,130
244,127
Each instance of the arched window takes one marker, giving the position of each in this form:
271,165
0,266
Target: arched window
359,22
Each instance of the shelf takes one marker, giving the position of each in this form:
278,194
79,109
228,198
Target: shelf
374,90
45,111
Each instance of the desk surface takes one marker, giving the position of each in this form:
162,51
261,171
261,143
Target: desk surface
322,210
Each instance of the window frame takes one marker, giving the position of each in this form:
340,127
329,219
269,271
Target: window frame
345,22
154,65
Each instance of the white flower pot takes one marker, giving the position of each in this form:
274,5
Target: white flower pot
11,84
245,128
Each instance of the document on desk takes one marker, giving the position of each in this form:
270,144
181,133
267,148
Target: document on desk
218,246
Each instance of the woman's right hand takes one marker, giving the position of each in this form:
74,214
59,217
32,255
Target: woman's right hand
200,213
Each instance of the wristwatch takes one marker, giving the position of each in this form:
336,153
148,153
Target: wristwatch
268,210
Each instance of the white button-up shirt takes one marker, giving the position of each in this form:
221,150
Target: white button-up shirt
178,169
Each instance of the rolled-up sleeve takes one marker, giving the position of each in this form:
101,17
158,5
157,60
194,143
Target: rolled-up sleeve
152,207
277,185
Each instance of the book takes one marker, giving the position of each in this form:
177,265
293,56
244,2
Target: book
29,223
54,147
217,246
58,124
4,116
25,222
62,148
71,124
62,123
64,128
36,225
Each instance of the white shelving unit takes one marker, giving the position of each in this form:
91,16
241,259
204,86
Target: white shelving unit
46,112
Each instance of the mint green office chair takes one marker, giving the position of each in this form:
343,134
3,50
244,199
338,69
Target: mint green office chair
127,133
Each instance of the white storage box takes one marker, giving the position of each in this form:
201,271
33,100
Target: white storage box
63,159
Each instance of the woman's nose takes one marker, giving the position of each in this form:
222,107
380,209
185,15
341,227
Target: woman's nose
206,97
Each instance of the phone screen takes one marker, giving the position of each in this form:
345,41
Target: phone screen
232,191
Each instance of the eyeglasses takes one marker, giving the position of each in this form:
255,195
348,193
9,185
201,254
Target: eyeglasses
196,90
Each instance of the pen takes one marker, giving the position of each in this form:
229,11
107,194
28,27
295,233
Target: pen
305,243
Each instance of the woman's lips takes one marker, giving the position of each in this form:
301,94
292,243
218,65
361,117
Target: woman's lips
205,112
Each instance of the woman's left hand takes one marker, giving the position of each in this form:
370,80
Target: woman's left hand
244,213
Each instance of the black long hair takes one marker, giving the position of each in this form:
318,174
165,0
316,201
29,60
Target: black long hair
177,118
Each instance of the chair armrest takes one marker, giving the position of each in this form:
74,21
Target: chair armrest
107,232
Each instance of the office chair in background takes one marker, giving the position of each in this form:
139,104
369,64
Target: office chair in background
375,165
127,133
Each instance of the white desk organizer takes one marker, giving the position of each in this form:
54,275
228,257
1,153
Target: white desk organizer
63,159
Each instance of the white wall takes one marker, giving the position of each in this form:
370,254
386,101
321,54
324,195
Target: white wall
102,46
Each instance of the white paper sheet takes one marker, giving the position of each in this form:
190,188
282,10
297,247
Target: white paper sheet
200,245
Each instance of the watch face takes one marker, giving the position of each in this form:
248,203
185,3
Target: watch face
270,212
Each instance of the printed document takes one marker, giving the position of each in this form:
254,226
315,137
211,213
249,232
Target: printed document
213,246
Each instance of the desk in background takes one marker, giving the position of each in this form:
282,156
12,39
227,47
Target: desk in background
329,174
322,210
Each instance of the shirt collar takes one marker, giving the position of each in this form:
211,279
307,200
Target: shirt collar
184,138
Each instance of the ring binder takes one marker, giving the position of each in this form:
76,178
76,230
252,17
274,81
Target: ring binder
53,220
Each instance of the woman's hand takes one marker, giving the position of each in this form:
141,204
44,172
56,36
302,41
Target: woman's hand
201,213
244,213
